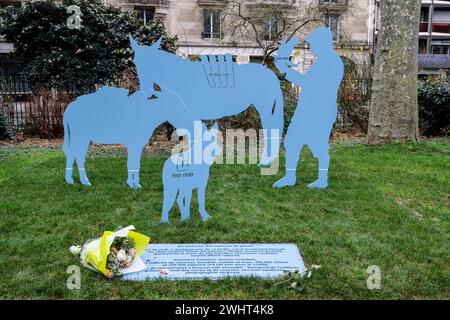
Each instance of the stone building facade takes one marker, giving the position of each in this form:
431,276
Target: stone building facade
197,23
353,22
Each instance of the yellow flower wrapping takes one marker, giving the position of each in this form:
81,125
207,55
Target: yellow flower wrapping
98,255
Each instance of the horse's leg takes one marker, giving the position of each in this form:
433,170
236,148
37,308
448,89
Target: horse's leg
271,112
70,158
133,164
180,201
81,149
201,202
170,194
185,213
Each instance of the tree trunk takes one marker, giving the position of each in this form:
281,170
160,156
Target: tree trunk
393,108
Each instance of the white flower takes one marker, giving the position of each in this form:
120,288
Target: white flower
121,255
129,259
75,249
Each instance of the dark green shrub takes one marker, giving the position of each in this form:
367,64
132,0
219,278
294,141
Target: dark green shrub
97,53
434,106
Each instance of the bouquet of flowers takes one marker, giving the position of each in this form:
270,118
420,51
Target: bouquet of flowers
121,255
115,253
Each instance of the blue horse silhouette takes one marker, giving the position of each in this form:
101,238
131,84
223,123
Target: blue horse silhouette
216,87
316,111
182,174
110,116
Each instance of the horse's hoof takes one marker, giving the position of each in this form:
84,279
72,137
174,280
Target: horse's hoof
86,184
70,182
318,185
284,182
164,221
134,185
205,217
264,164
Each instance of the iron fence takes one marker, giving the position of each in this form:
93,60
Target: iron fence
38,112
15,100
41,113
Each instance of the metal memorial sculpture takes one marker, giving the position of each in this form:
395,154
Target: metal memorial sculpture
216,87
209,89
182,173
110,116
316,110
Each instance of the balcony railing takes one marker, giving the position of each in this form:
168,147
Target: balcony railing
333,2
438,27
334,5
266,3
163,3
423,27
441,27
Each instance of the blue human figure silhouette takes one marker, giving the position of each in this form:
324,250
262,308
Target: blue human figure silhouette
316,110
182,173
110,116
216,87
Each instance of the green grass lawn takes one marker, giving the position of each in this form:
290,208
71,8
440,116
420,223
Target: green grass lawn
386,206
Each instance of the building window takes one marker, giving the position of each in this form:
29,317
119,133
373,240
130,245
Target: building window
259,59
332,21
270,28
440,49
422,46
211,24
145,14
424,17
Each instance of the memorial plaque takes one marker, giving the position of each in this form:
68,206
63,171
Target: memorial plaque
217,261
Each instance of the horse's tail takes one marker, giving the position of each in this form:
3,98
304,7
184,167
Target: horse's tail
66,144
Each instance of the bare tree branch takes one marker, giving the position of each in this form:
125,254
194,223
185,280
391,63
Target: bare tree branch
267,24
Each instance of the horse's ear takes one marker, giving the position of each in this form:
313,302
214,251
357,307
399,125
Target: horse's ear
133,42
157,44
215,126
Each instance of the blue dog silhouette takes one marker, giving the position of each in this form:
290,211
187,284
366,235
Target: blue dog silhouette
316,110
182,174
110,116
216,87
